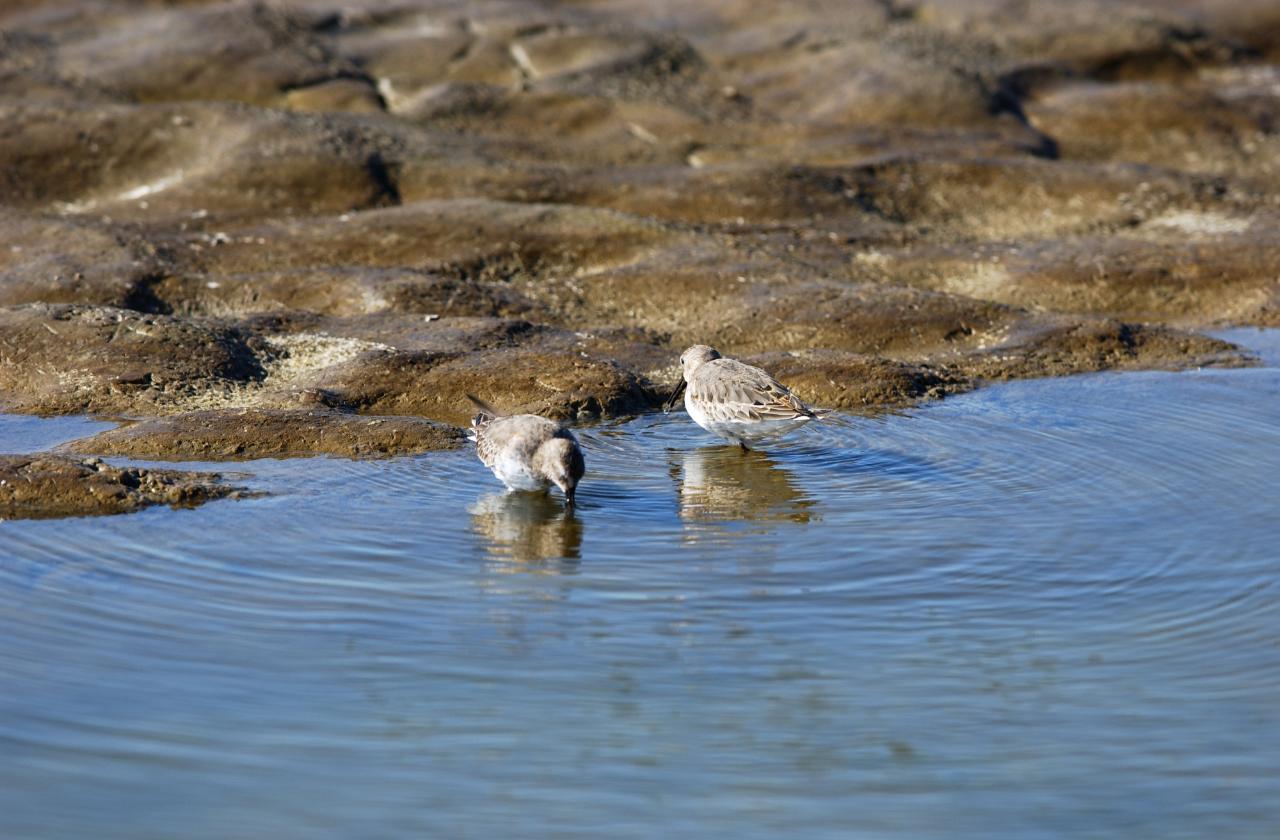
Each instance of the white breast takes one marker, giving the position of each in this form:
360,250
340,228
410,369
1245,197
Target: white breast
516,472
723,425
697,414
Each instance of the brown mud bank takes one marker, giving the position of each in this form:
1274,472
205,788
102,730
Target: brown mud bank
313,228
265,433
48,486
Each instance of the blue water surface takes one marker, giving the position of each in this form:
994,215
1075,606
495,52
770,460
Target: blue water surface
1043,609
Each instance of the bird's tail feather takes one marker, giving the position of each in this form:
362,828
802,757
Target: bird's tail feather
487,412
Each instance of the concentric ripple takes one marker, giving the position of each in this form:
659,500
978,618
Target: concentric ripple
1044,608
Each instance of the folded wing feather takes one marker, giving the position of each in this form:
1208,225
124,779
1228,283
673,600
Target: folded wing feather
736,391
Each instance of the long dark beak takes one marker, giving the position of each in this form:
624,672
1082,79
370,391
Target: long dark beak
674,398
569,498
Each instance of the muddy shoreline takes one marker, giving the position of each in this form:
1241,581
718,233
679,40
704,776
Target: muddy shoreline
310,228
45,486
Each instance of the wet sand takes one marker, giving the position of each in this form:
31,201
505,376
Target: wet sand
318,212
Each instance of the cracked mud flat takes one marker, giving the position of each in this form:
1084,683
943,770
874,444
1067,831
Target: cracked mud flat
310,213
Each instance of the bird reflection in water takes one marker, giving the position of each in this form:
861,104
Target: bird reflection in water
723,483
528,531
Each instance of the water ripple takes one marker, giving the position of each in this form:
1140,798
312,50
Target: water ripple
1039,586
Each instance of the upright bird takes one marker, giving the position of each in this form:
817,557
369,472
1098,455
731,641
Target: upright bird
735,401
527,452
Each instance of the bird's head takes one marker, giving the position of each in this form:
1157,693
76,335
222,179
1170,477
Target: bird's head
560,461
695,357
690,360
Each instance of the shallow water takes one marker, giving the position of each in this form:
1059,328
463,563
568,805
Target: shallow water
1044,609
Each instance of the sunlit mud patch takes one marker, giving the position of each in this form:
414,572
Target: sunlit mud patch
305,353
1200,224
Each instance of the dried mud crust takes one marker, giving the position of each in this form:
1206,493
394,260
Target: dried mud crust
46,486
316,217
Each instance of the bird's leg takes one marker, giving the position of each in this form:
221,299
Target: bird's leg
744,446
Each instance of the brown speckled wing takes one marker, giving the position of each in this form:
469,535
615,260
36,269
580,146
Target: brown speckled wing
519,433
486,446
730,390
